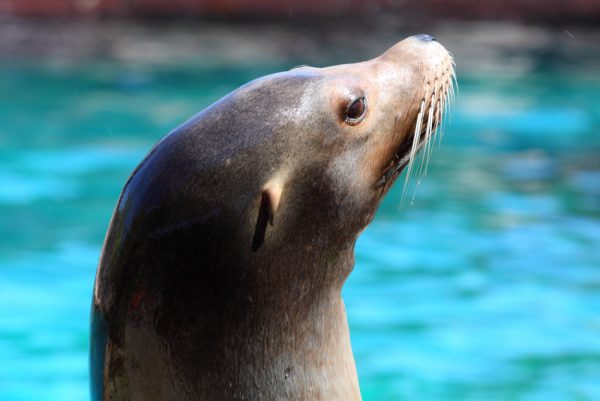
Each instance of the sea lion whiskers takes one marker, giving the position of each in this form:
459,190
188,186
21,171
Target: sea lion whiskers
442,97
428,134
429,120
416,145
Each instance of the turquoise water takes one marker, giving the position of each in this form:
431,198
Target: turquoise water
486,286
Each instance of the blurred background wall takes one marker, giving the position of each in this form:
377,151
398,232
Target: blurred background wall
538,10
484,286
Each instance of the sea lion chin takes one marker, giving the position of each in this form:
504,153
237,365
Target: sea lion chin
222,268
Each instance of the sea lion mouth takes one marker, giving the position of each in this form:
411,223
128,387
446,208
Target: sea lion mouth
438,95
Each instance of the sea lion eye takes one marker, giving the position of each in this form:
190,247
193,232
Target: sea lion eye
356,111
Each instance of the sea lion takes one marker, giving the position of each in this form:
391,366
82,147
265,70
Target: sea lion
221,272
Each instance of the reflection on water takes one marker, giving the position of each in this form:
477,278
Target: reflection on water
486,287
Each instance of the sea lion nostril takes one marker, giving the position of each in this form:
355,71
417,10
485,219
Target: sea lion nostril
425,37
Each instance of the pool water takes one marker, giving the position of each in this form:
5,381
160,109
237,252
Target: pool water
484,285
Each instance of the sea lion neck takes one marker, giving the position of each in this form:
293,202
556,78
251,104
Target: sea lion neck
262,325
286,273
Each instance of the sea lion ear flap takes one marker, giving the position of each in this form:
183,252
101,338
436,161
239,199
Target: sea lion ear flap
269,203
272,194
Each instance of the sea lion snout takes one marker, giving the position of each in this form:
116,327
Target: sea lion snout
424,37
419,80
421,49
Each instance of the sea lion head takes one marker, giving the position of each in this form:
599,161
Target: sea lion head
371,118
301,157
331,141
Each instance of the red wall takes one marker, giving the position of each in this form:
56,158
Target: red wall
585,10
